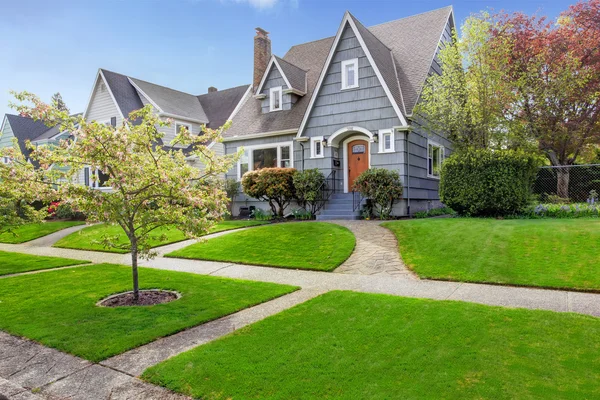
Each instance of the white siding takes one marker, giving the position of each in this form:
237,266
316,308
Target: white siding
102,107
6,136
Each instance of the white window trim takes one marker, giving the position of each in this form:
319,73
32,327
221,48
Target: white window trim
313,147
271,98
442,156
188,126
382,133
250,149
344,77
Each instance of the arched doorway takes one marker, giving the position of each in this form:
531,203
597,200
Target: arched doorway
357,158
355,144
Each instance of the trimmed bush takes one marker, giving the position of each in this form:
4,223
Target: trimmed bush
308,184
274,185
488,183
382,186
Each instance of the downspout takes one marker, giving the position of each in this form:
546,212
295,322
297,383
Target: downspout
407,174
302,145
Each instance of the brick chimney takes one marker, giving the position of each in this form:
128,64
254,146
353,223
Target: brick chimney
262,54
212,89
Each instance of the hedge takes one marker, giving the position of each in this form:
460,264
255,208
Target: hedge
488,183
382,186
275,185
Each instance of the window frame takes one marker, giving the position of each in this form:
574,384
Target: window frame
382,134
279,90
345,63
431,143
188,126
313,147
249,150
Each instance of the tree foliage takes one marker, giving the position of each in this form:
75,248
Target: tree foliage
274,185
57,101
308,185
382,186
152,185
21,184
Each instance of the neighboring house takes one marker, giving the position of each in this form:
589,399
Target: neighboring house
114,96
344,104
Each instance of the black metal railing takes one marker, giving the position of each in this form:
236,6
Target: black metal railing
357,199
327,188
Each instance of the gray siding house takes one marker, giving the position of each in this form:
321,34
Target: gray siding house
344,104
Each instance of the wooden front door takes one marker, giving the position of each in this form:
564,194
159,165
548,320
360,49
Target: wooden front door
358,160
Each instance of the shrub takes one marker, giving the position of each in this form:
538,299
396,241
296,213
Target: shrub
231,187
434,212
261,215
382,186
302,214
488,183
547,210
274,185
308,189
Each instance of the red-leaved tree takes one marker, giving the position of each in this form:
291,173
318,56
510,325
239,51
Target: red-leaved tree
554,68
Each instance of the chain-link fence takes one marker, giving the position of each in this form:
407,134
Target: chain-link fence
577,183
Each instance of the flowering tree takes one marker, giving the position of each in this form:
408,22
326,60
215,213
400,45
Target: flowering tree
554,70
152,185
20,185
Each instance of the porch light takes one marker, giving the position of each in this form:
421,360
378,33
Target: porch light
324,142
376,137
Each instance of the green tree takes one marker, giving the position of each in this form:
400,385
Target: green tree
58,102
466,101
151,185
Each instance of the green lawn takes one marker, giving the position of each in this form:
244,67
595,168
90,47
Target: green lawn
346,345
14,263
555,253
305,245
27,232
57,308
83,239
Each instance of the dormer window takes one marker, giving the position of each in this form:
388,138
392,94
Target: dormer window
275,98
350,74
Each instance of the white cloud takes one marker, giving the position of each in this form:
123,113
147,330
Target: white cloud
260,4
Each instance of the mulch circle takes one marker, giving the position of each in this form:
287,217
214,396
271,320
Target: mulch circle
146,298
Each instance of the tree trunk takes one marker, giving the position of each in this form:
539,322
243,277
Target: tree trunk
562,179
134,270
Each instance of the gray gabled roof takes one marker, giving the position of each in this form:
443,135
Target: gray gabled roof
219,105
296,76
403,51
384,59
24,129
172,101
250,119
125,94
414,42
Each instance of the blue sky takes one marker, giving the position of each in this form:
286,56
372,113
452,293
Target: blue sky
51,46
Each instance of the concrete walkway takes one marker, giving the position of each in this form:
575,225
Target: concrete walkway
374,267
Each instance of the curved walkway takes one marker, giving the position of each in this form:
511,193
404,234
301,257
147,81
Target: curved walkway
376,251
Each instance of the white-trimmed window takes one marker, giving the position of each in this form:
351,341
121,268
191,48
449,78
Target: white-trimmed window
316,147
279,155
435,158
386,141
275,98
5,160
94,178
179,125
350,74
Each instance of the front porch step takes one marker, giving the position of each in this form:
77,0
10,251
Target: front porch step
339,206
